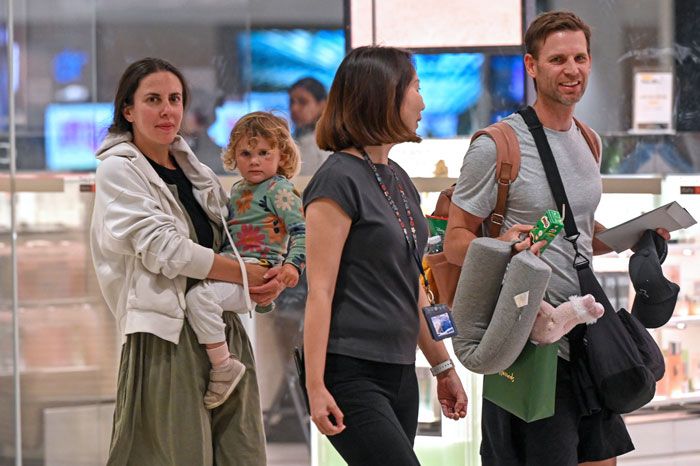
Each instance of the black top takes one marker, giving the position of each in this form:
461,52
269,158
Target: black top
375,305
200,227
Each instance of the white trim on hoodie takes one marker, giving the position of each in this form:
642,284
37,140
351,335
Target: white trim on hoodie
139,236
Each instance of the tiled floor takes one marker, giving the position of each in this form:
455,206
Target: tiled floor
288,454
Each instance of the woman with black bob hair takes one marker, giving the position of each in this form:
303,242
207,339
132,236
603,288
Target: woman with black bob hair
364,232
155,228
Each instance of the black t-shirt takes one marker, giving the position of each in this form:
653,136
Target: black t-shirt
375,305
198,220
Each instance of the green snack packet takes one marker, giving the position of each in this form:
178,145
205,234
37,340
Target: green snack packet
437,225
547,227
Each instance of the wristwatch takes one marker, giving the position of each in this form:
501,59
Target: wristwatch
442,367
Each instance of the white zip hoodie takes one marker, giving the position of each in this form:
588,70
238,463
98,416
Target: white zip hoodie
139,236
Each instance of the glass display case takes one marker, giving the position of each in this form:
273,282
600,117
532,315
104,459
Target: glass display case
674,413
68,346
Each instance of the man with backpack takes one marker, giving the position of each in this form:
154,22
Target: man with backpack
509,190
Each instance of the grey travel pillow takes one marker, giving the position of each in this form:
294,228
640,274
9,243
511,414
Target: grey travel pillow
496,303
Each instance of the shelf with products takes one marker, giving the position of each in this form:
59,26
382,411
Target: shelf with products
71,334
68,351
32,182
48,203
679,339
679,399
682,322
51,268
68,341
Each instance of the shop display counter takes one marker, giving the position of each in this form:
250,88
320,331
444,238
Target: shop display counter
68,343
68,337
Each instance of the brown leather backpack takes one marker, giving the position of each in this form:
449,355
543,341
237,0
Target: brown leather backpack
445,274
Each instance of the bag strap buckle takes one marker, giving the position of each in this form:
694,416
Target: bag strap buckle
572,238
497,219
504,181
580,261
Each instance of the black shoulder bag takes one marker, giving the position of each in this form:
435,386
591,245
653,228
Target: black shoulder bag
615,362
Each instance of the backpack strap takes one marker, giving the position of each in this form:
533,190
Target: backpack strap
507,168
590,137
442,206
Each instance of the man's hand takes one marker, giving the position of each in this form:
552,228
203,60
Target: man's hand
516,233
664,233
451,395
289,275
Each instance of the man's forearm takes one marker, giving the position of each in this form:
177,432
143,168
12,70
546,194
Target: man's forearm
459,234
457,242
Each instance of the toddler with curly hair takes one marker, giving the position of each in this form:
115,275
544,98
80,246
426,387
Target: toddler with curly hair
266,222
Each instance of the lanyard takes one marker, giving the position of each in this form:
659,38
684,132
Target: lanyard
412,246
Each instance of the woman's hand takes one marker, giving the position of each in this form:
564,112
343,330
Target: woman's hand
451,394
256,274
325,413
267,287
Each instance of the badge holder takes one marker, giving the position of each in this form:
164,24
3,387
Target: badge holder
439,318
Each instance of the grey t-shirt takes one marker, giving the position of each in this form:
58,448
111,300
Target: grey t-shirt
375,305
530,196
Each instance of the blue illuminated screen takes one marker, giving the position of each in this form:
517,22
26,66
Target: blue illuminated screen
73,132
228,114
451,83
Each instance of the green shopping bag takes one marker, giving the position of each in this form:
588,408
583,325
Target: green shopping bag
527,388
437,225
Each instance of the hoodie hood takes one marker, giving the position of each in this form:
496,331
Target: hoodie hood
208,190
112,140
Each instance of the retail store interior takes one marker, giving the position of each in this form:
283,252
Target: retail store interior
61,60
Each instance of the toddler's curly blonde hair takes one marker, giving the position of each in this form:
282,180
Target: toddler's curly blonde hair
274,130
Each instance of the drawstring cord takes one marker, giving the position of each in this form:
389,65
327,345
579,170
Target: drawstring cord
244,273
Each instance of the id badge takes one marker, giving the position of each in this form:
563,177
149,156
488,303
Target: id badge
440,323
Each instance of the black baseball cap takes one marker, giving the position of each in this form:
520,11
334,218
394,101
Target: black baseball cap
656,296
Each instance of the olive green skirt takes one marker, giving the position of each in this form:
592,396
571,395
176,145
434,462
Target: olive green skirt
160,418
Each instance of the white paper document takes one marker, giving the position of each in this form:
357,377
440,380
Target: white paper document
670,216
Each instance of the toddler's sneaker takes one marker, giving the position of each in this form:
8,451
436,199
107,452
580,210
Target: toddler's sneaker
222,382
265,309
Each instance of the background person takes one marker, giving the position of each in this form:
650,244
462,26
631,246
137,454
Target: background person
199,116
307,99
362,312
155,227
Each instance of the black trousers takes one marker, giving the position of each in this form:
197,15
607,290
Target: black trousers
380,405
565,439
